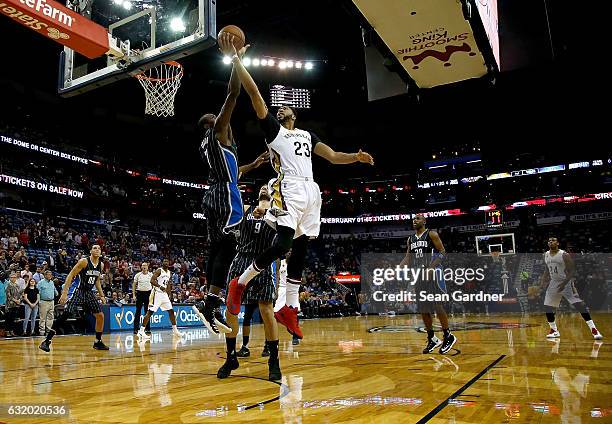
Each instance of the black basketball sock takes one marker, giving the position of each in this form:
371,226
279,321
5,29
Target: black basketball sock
430,334
446,332
245,341
230,343
273,346
99,336
50,335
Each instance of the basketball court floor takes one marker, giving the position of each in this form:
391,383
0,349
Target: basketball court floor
356,369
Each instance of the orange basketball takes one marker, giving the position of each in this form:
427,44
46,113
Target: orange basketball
239,38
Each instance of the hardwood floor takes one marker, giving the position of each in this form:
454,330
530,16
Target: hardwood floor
357,369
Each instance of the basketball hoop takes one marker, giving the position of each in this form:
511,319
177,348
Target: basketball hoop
161,84
495,256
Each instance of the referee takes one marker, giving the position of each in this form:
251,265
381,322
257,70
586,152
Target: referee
141,290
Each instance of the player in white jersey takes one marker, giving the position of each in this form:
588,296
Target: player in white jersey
559,275
162,286
296,198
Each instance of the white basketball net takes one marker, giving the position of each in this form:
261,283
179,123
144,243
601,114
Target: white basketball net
161,84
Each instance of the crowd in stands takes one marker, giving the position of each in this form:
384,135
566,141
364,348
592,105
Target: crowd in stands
32,244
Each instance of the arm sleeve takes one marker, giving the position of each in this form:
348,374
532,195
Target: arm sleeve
314,139
270,126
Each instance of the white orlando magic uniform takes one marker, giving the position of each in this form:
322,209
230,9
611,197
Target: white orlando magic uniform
159,298
556,269
296,198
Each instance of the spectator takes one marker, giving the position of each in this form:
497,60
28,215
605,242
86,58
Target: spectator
125,300
21,283
85,241
31,296
114,300
38,275
13,302
3,261
3,283
62,261
13,240
26,274
58,288
50,260
48,293
24,238
153,247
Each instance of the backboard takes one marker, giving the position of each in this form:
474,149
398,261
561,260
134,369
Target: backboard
148,32
502,244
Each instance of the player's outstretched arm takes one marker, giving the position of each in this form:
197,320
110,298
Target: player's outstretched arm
260,160
248,83
222,123
339,158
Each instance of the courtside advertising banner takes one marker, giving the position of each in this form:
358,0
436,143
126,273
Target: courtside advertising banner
122,318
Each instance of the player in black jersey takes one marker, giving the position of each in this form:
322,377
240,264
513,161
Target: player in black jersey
222,202
255,237
89,271
425,252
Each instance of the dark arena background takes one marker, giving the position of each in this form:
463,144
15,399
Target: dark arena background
485,122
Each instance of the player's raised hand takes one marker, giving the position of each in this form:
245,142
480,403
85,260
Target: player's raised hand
261,159
243,50
226,44
365,157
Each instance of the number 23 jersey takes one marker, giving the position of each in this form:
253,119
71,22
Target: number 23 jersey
290,150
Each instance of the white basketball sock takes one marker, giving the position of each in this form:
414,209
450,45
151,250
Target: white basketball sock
553,326
293,295
591,324
281,300
248,274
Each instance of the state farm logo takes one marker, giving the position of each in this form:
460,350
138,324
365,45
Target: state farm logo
49,10
32,22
